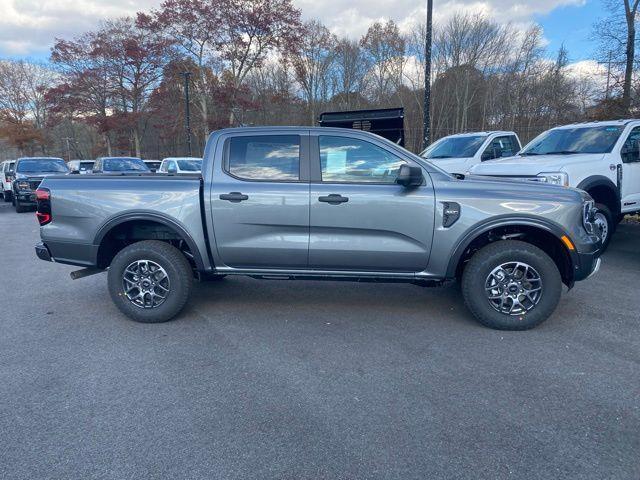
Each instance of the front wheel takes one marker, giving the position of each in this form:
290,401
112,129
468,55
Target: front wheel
511,285
605,224
150,281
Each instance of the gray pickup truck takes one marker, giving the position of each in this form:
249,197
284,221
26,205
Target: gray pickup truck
321,203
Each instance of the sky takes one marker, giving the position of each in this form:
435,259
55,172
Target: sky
28,27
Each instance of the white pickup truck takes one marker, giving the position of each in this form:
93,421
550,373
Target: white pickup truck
602,158
458,153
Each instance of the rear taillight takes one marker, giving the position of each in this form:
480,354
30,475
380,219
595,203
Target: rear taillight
43,211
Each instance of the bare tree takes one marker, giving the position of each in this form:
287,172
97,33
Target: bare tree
617,39
312,59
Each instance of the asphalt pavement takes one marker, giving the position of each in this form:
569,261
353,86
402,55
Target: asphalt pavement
313,380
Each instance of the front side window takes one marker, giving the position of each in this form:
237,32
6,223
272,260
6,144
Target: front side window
500,147
567,141
356,161
42,166
454,147
265,157
631,149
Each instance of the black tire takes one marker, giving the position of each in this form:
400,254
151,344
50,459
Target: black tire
177,269
7,196
481,265
604,211
21,208
13,199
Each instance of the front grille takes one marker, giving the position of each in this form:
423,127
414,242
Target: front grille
34,184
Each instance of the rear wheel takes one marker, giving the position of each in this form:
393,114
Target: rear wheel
7,196
511,285
150,281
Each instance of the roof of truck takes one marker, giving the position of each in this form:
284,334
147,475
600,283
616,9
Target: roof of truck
600,123
487,132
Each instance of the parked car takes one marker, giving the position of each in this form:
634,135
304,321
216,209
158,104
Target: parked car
458,153
181,165
28,173
80,166
327,204
6,174
120,165
153,165
601,158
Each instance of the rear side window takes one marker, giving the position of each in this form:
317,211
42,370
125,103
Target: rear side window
264,157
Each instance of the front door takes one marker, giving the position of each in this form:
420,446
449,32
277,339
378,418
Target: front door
630,153
260,202
361,220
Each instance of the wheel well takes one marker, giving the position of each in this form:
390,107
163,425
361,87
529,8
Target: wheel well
606,196
133,231
543,239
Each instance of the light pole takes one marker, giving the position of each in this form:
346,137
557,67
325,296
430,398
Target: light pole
426,123
187,114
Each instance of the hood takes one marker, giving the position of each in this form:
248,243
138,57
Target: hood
532,165
500,187
451,165
37,175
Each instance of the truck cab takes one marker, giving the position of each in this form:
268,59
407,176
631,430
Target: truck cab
458,153
601,158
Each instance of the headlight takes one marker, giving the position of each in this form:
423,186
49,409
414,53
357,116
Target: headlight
554,178
23,186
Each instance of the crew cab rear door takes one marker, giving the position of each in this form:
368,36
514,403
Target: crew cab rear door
260,200
361,220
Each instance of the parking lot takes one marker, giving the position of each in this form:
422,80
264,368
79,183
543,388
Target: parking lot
313,380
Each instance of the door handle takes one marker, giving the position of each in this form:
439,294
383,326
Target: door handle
334,199
234,197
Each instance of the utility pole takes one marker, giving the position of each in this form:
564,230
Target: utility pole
606,94
187,114
426,124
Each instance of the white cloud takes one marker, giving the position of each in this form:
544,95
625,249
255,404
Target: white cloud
28,27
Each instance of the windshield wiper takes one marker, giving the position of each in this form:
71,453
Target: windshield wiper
563,152
439,156
527,154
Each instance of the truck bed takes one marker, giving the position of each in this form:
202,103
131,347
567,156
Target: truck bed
85,207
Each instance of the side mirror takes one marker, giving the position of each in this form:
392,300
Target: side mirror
409,176
172,169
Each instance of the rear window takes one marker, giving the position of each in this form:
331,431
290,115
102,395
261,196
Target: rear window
190,165
265,157
41,165
124,165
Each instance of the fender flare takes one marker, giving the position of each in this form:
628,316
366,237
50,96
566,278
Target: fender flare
505,221
154,217
600,181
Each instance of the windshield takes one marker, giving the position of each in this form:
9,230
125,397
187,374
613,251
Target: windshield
190,165
566,141
454,147
42,165
124,165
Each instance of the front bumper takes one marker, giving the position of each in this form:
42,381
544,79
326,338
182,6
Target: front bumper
43,252
587,264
